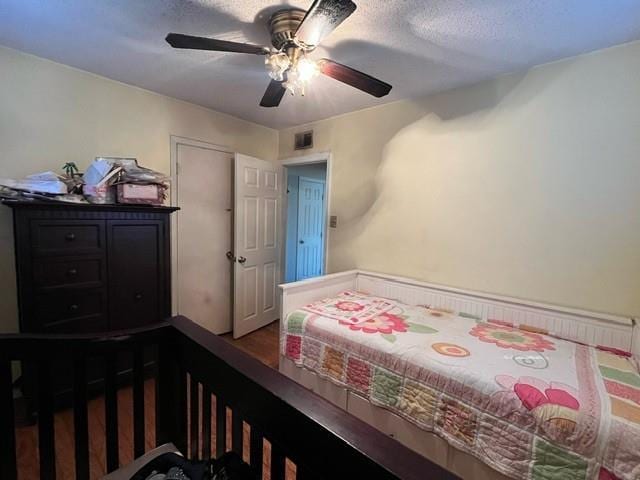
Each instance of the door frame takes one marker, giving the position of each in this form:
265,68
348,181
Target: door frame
177,140
309,159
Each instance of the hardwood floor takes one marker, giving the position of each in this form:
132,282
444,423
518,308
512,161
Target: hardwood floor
27,437
262,344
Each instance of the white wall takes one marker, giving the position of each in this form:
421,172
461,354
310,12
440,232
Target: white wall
527,185
51,114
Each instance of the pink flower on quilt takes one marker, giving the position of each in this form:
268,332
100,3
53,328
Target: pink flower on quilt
347,306
293,347
508,337
554,405
606,475
383,323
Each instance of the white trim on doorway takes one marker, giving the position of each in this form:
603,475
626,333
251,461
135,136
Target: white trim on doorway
320,157
175,141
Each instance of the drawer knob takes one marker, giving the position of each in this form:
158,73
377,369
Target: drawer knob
73,307
72,272
70,237
138,296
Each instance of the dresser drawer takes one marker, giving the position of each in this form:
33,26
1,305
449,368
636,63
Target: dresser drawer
79,311
52,272
67,237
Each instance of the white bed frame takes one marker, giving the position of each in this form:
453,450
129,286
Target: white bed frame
582,326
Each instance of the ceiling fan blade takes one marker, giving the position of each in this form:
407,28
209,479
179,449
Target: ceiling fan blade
178,40
273,96
352,77
322,18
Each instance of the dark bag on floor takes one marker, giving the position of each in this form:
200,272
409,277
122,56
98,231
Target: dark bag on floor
228,467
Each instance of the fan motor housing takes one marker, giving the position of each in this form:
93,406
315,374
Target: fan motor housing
283,25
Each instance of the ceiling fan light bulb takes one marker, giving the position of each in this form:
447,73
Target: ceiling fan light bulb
306,70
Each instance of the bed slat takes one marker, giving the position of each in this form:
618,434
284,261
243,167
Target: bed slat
277,463
256,451
171,411
194,417
8,468
303,474
46,436
236,432
80,418
111,412
138,401
206,423
221,426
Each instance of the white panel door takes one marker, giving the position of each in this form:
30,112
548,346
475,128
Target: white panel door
257,243
310,228
204,223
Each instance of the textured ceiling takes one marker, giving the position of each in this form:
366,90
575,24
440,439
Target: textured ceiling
419,46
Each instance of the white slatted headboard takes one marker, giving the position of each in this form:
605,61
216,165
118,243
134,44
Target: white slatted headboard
635,346
581,326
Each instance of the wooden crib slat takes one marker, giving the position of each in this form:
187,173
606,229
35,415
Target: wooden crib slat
256,451
46,437
277,463
80,418
206,423
221,427
138,402
303,473
236,432
183,412
8,468
171,397
195,416
111,412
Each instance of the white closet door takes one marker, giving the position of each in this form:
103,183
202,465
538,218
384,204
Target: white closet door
257,243
204,223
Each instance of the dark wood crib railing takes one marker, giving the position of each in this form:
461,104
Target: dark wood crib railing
191,367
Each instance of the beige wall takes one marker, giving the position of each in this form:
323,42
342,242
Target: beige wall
528,185
51,114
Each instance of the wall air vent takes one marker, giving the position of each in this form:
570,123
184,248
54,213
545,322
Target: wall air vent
304,140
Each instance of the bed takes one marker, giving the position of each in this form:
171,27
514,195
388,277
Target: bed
488,387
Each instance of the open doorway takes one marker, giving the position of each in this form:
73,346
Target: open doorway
306,220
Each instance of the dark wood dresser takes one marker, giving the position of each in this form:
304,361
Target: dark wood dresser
91,268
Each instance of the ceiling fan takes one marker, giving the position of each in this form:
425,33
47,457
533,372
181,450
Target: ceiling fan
294,34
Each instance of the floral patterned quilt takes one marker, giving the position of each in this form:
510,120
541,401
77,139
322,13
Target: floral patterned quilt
529,405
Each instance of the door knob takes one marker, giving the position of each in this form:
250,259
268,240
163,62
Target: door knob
230,256
301,241
242,260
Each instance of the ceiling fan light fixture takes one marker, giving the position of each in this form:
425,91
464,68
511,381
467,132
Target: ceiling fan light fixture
277,64
300,75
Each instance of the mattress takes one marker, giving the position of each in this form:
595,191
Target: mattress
529,405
